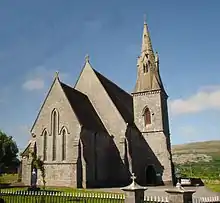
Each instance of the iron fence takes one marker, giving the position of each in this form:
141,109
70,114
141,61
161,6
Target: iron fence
59,197
83,197
214,199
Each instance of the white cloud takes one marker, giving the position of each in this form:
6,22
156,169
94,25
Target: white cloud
206,98
34,84
38,77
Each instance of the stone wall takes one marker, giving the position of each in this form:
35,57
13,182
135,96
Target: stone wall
104,166
155,134
59,175
64,169
89,84
26,171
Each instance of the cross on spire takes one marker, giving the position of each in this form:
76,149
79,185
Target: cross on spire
133,177
87,58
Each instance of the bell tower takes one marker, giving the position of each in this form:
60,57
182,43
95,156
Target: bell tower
150,106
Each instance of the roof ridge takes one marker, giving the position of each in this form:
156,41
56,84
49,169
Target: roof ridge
111,81
75,98
124,109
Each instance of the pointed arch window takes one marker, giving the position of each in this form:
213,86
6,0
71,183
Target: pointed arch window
147,116
54,133
63,144
45,145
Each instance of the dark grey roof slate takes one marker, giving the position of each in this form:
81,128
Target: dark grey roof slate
83,109
122,100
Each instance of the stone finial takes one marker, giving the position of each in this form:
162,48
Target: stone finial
133,186
57,74
33,135
134,193
156,57
87,58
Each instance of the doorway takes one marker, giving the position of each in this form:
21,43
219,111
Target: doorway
151,177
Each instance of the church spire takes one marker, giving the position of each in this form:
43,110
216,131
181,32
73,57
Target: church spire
146,41
148,77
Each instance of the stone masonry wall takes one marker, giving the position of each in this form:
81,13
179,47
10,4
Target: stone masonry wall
26,171
59,175
65,170
90,85
154,133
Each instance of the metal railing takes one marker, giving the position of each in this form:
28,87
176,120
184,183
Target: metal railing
83,197
214,199
59,197
155,199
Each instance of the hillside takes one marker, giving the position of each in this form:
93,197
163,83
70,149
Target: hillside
199,159
196,152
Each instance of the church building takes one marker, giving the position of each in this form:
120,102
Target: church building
95,134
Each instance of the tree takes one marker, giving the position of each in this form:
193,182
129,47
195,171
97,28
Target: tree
8,153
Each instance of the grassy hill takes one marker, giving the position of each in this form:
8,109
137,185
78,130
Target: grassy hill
198,159
208,147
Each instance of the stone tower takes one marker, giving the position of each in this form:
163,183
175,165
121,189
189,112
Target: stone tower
150,108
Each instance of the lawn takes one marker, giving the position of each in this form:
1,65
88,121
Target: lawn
214,187
8,178
61,189
56,199
56,194
12,178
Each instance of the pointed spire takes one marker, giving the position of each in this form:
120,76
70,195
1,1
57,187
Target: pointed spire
146,41
148,77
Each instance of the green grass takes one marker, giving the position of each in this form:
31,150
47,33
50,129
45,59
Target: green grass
12,178
208,171
8,178
203,170
57,199
214,187
69,194
61,189
208,147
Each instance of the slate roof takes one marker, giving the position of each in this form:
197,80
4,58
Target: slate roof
122,100
83,109
26,150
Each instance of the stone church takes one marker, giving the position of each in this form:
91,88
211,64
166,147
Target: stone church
95,134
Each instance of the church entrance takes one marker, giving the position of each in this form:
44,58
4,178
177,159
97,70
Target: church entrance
151,177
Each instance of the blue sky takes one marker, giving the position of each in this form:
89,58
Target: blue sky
39,37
